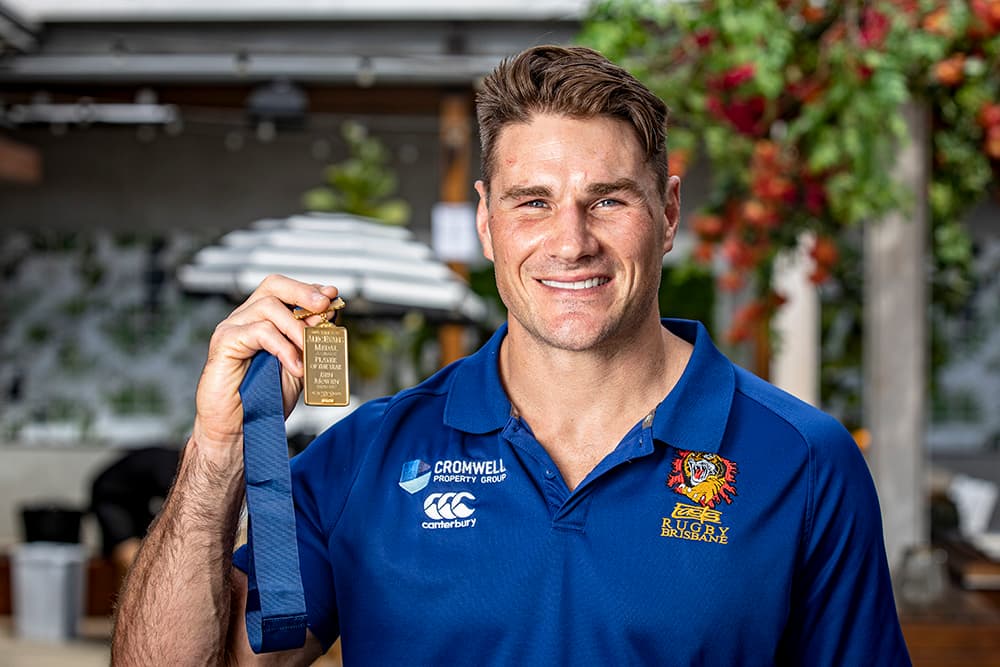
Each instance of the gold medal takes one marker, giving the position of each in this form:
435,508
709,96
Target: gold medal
325,352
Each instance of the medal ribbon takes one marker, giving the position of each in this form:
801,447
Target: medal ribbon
276,608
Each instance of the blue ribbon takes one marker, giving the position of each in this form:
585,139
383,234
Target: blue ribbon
276,608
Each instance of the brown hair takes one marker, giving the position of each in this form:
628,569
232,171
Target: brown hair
572,81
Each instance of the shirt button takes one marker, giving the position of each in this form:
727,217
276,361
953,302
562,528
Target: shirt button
549,474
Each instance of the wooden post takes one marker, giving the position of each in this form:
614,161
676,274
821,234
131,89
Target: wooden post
456,136
762,349
20,163
895,349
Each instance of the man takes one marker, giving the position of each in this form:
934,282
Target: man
593,486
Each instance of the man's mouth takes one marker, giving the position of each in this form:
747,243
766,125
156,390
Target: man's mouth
579,284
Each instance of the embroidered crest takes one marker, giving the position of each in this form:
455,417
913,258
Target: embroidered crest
704,478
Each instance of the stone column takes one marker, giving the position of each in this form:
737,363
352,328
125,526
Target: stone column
895,348
796,359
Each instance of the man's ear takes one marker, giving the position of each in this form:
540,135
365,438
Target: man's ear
483,221
671,212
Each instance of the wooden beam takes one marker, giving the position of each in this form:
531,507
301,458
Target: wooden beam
379,100
456,138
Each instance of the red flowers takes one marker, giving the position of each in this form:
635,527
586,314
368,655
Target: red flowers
987,13
708,227
989,115
751,316
938,22
677,161
813,196
743,113
703,38
746,116
950,71
737,75
874,28
992,146
825,255
791,101
780,190
989,119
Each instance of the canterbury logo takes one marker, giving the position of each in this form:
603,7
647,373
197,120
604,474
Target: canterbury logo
448,505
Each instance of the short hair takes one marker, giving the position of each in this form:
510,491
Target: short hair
573,81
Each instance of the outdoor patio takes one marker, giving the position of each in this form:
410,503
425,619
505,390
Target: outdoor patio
840,235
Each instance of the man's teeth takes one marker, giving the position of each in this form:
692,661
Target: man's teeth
579,284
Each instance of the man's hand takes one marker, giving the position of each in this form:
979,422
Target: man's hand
263,322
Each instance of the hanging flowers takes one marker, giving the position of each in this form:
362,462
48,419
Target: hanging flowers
796,104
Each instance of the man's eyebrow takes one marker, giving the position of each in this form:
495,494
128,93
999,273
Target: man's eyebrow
594,189
621,185
522,191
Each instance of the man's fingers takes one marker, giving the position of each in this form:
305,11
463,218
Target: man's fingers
276,298
269,309
240,342
295,293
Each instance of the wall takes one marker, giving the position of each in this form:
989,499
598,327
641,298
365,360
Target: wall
108,178
31,475
104,178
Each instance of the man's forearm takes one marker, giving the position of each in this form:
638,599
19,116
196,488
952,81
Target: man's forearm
174,605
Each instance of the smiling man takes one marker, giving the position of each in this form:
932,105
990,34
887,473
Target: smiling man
594,486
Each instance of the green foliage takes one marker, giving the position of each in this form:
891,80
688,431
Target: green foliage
688,291
38,333
798,108
138,398
63,409
134,330
361,184
368,345
72,360
482,281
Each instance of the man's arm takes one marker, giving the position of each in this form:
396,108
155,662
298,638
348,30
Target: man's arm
175,604
182,603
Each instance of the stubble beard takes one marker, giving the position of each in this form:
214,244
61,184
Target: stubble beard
576,330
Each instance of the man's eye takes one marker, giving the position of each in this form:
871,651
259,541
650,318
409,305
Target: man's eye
605,203
534,203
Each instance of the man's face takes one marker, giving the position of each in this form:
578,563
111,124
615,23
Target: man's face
576,229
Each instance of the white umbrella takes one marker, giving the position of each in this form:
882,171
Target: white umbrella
379,269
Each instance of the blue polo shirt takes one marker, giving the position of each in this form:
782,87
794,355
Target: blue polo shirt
734,525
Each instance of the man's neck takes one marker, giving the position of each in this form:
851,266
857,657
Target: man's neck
580,404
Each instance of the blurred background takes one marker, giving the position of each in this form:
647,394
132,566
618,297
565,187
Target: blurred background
840,237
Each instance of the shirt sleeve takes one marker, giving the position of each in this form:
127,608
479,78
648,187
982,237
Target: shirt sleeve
843,610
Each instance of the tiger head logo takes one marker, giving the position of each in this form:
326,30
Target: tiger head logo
704,478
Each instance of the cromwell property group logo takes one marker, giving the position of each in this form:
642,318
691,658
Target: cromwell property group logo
415,476
451,509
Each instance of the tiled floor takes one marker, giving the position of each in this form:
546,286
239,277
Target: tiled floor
88,649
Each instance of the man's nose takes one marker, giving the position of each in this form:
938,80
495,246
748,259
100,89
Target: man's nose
570,236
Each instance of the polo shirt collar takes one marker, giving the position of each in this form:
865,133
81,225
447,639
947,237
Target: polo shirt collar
693,415
477,402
